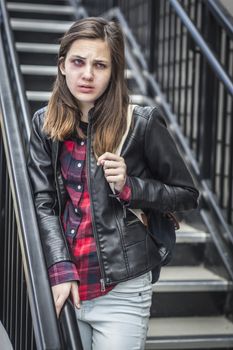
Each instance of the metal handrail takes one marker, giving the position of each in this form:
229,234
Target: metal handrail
219,13
42,309
175,129
159,96
41,302
220,72
15,67
210,57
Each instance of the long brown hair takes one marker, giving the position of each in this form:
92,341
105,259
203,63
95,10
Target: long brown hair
109,116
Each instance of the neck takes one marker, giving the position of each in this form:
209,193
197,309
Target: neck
85,108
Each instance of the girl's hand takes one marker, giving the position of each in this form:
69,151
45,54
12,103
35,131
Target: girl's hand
114,169
62,291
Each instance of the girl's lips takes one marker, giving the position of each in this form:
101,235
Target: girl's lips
85,88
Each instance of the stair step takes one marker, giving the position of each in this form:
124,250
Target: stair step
47,9
38,70
49,12
37,48
191,237
189,234
189,333
191,244
41,2
37,53
190,279
38,25
38,95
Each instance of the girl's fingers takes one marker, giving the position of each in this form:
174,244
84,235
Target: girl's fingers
116,179
112,171
59,302
108,156
113,164
60,294
75,294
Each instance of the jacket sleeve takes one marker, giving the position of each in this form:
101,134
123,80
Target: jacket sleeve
171,187
41,174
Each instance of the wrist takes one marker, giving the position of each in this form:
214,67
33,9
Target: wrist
119,187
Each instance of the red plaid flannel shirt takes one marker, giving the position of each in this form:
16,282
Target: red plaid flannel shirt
77,225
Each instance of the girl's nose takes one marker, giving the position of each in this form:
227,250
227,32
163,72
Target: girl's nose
88,73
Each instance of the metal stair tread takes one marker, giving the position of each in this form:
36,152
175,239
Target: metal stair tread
38,95
37,47
38,69
188,228
28,7
185,326
190,279
190,234
38,25
189,332
191,237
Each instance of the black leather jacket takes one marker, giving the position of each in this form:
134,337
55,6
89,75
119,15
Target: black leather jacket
158,177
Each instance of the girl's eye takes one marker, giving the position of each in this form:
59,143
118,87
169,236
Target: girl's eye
78,62
100,65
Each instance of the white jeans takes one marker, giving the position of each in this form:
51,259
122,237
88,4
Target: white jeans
119,319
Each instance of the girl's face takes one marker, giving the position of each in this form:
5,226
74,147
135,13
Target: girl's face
87,69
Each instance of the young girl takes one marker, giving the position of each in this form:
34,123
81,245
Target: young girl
97,250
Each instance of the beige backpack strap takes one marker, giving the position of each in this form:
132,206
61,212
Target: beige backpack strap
129,120
119,148
137,212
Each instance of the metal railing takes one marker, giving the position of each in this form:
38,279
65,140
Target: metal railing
27,311
194,89
199,88
26,306
189,54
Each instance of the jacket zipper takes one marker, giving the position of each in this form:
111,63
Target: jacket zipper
57,185
102,280
58,190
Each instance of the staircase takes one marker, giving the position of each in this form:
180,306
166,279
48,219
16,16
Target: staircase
193,298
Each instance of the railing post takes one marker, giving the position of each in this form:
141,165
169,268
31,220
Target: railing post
208,96
2,214
153,30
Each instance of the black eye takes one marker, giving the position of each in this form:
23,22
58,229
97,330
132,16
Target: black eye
78,62
100,65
